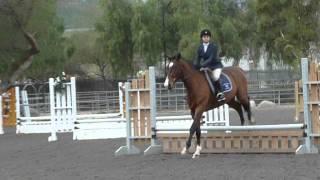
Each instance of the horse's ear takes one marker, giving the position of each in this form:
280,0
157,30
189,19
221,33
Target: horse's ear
168,58
178,56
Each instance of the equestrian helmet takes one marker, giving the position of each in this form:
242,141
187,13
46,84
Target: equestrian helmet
205,32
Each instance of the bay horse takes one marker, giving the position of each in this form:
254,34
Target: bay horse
200,98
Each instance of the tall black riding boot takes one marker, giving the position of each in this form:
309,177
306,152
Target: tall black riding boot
219,91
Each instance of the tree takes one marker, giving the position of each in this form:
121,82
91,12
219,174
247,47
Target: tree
89,53
249,34
10,45
224,18
288,28
78,13
146,31
189,18
115,33
30,27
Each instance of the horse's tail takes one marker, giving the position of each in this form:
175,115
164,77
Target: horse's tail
243,72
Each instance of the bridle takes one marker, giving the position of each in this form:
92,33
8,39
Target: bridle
185,76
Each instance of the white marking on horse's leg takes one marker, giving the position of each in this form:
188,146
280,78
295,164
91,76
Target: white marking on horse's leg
236,99
253,120
166,82
184,151
197,152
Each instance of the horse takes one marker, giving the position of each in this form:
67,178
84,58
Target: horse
200,98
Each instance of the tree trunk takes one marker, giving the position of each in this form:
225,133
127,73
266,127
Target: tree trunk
24,63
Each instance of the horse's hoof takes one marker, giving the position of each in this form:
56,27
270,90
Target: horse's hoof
253,122
195,156
197,152
184,151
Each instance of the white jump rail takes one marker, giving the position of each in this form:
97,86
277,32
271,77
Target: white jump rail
101,126
229,129
216,117
27,124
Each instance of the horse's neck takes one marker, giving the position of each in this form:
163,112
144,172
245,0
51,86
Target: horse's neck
191,79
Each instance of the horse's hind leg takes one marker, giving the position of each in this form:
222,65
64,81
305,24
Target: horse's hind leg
198,148
247,108
237,106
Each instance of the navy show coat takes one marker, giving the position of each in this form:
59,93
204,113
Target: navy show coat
209,58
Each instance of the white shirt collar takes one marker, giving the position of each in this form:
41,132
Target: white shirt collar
206,44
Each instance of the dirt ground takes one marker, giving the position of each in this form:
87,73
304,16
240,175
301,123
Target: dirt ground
31,157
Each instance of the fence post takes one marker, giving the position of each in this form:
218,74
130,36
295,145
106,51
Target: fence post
53,136
155,147
279,94
120,84
18,113
308,146
1,117
129,148
73,104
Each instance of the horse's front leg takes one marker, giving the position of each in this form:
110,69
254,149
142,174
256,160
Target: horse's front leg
198,148
201,120
188,143
194,127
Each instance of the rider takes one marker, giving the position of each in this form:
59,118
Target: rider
207,57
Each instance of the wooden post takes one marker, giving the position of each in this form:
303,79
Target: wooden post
9,108
140,107
139,113
314,100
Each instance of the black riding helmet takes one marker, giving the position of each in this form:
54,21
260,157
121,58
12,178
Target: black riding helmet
205,32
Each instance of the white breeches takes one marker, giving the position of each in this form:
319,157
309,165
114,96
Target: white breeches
216,74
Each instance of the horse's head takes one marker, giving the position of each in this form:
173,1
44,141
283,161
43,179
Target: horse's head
174,71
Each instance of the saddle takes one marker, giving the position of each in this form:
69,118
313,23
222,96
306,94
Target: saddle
225,81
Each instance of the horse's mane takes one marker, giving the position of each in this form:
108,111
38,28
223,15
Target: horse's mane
189,66
186,63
